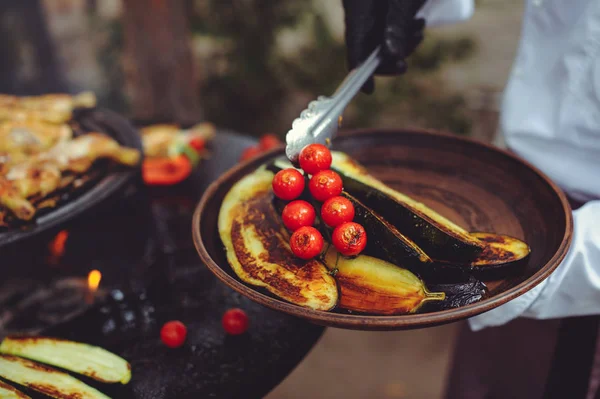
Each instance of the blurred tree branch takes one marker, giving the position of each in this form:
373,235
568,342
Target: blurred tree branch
159,61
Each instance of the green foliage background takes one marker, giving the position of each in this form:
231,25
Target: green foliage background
261,89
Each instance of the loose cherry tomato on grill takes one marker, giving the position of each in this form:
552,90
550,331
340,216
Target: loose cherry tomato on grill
288,184
197,144
173,334
314,158
337,210
250,152
268,141
235,321
306,242
325,184
298,214
349,238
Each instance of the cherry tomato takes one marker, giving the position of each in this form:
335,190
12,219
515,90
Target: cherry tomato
337,210
306,242
235,321
349,238
288,184
298,214
173,334
197,144
325,184
314,158
268,141
250,152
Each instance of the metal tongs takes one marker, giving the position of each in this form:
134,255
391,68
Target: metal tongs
319,122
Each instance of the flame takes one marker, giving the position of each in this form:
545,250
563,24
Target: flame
57,245
94,278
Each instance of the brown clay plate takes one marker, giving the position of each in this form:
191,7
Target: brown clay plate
478,186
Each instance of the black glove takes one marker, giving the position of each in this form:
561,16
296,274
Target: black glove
389,23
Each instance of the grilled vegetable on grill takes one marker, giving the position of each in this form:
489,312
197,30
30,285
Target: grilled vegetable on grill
257,247
91,361
372,285
42,173
171,152
40,155
8,392
18,138
163,140
46,380
50,108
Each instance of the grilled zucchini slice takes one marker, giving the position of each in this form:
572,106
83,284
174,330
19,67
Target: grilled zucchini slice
46,380
91,361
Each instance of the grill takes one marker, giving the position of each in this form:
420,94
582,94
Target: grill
141,242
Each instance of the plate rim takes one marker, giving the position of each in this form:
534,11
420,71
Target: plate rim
380,322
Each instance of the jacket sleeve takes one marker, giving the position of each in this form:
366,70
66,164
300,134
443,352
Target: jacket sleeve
574,287
442,12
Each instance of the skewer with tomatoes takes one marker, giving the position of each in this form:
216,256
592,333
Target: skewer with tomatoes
171,153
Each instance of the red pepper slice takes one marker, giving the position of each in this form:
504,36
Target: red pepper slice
166,171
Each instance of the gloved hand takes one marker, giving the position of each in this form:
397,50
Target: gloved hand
389,23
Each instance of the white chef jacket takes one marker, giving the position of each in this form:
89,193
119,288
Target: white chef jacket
550,116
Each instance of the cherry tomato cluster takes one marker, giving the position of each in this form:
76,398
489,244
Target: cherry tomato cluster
337,212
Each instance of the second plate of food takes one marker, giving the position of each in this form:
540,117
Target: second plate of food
454,228
59,156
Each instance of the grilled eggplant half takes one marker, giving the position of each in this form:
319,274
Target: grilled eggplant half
502,255
386,242
437,236
257,247
372,285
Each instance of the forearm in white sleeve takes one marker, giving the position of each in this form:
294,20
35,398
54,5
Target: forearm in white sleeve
574,287
442,12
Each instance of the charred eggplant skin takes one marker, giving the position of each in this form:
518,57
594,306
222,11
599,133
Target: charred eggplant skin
436,241
458,294
384,240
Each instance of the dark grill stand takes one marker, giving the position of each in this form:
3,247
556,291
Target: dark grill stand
151,274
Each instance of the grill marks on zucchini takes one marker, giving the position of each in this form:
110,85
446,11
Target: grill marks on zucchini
46,380
8,392
92,361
